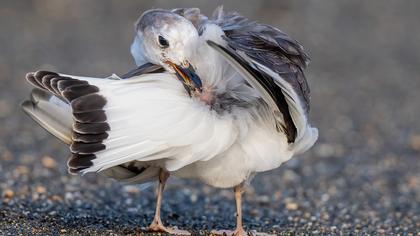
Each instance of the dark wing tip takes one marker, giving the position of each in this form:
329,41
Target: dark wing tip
98,116
90,122
29,75
41,73
86,148
89,102
77,161
78,90
89,138
90,128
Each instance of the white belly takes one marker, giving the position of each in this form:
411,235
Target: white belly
261,150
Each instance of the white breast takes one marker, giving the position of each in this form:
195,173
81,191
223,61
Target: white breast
259,150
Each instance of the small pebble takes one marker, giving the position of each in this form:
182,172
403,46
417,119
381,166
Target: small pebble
263,199
415,142
48,162
69,196
22,170
131,189
291,206
56,198
8,193
40,189
7,156
193,198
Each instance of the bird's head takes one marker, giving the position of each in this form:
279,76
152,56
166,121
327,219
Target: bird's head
167,39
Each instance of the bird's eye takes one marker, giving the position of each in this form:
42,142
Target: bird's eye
163,42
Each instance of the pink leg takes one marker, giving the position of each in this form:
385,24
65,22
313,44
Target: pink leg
239,231
157,225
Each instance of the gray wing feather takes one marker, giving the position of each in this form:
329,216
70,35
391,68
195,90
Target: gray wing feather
55,117
268,46
250,46
271,93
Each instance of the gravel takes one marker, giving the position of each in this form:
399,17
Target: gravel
361,178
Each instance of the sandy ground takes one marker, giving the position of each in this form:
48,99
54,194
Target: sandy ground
361,178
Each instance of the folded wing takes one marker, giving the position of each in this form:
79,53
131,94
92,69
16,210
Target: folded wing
272,63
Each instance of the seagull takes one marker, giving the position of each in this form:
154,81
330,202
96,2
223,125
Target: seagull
218,99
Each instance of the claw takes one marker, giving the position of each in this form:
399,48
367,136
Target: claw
158,227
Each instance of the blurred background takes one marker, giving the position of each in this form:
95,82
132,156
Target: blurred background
361,177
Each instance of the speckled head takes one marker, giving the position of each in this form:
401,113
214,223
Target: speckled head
166,36
167,39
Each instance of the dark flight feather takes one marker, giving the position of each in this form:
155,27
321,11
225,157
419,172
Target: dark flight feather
146,68
86,148
273,90
90,126
268,46
78,161
90,122
89,102
76,91
90,116
89,138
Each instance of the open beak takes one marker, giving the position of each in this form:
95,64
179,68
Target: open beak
186,74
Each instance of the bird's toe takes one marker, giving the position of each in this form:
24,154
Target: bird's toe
237,232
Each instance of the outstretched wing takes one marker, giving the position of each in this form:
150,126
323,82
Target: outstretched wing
148,118
72,110
273,64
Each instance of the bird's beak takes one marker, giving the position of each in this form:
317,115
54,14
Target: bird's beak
186,74
143,69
